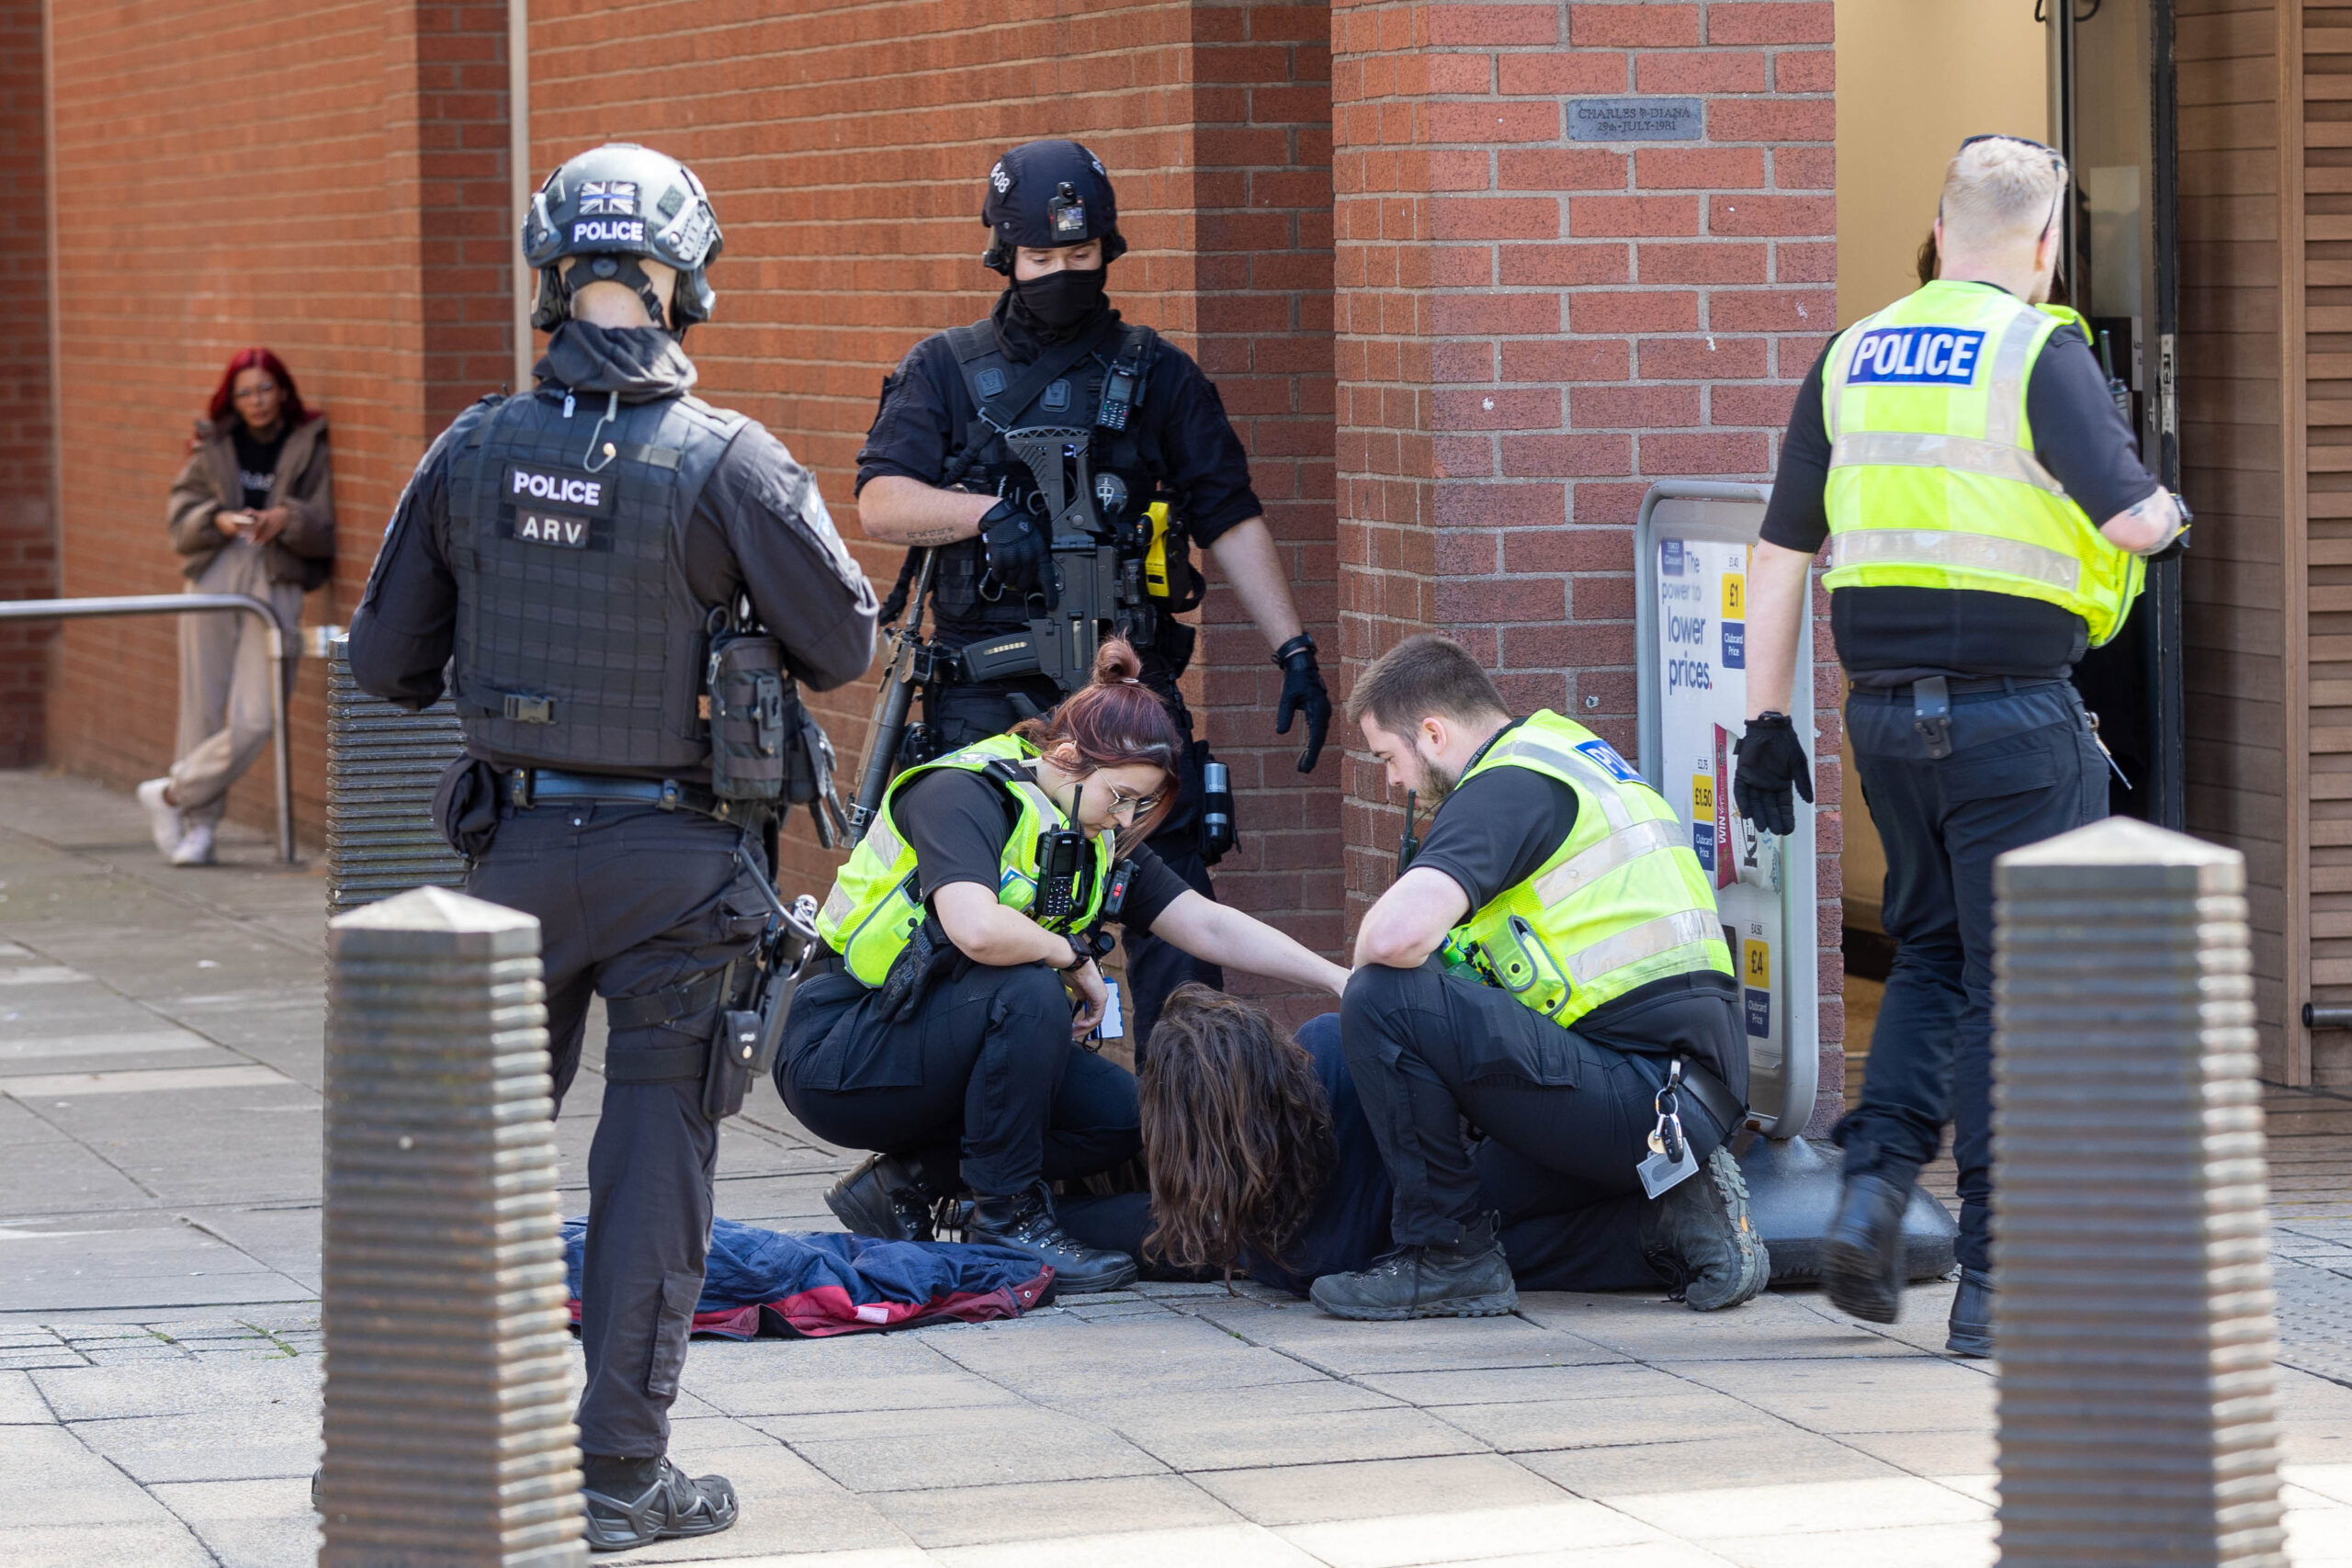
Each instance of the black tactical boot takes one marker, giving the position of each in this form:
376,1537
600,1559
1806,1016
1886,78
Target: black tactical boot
1024,1221
1861,1257
883,1198
1471,1279
1698,1234
669,1506
1972,1316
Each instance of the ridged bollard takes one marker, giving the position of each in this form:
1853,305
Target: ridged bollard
382,762
450,1438
2138,1419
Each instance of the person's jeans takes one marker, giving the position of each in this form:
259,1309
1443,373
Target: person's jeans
2023,767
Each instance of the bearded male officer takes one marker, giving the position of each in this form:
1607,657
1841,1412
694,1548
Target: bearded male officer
937,470
1988,517
582,549
1552,968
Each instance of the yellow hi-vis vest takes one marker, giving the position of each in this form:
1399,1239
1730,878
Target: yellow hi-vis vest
1933,482
875,904
1622,901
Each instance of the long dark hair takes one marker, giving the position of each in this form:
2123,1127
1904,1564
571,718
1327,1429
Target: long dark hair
1237,1132
225,396
1117,722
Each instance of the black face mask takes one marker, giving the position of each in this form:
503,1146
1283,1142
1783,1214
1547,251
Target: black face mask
1056,303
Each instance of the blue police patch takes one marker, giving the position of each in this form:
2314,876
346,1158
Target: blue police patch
1916,356
1605,754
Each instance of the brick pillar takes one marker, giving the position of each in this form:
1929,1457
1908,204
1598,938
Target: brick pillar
1260,213
1531,328
27,515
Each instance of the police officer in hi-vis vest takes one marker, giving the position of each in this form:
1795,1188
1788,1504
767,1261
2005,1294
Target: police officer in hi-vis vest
1138,450
1550,968
938,1020
594,561
1988,519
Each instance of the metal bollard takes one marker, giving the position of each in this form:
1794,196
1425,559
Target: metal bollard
382,763
2138,1411
449,1438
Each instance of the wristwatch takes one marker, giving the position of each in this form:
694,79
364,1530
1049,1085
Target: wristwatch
1081,952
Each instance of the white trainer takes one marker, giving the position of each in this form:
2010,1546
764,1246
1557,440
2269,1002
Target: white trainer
196,849
163,818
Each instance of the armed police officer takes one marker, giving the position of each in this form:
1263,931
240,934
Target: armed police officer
1988,519
1059,462
598,562
1550,968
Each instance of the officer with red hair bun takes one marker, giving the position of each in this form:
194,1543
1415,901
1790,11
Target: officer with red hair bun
940,1019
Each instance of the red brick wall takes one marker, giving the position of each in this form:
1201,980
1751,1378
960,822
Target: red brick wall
28,524
249,173
847,151
1531,330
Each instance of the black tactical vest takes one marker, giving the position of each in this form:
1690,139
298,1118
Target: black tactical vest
578,644
1125,468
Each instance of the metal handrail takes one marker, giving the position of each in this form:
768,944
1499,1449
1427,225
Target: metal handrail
174,603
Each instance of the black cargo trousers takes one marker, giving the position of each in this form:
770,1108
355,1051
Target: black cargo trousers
631,900
962,715
1568,1118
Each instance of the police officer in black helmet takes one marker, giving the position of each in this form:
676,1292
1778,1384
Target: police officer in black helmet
582,558
939,470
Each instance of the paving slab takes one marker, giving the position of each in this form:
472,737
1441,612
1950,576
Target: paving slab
247,1524
1229,1546
911,1450
1876,1394
1448,1535
988,1516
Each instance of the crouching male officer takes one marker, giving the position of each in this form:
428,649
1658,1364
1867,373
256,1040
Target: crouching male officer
1953,450
590,552
1551,968
983,427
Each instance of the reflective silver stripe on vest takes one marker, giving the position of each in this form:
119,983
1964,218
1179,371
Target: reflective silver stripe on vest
1950,550
885,843
1960,454
2006,389
1038,800
1599,781
1683,928
1571,878
837,907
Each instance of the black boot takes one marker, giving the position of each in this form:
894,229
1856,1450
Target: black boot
669,1506
1470,1279
1972,1316
1024,1221
1698,1234
1861,1257
883,1198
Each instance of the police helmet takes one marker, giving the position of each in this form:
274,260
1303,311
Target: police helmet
1044,194
615,204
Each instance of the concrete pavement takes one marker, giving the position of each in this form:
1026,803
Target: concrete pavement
160,1057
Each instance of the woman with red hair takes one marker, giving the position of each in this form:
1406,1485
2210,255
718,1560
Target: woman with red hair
939,1021
252,512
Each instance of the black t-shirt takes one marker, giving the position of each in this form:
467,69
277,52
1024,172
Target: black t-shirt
957,822
1893,636
256,463
927,408
1495,832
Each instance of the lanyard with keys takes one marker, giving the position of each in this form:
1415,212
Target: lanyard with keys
1670,1160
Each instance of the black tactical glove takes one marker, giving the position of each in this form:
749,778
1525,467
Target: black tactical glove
1016,548
1771,759
1302,693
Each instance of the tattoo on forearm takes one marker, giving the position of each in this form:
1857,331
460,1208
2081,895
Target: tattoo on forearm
933,535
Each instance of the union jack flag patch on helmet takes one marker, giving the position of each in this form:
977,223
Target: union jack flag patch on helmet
607,197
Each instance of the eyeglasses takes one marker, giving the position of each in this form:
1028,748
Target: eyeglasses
1142,804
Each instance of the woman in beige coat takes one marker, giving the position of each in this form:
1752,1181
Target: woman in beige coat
252,512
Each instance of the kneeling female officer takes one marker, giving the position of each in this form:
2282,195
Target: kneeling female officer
940,1009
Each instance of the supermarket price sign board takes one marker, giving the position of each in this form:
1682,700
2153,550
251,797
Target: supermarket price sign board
1694,541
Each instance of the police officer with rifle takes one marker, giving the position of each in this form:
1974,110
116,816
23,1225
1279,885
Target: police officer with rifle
596,565
1052,465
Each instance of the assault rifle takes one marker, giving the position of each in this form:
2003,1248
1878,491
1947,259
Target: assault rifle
910,666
